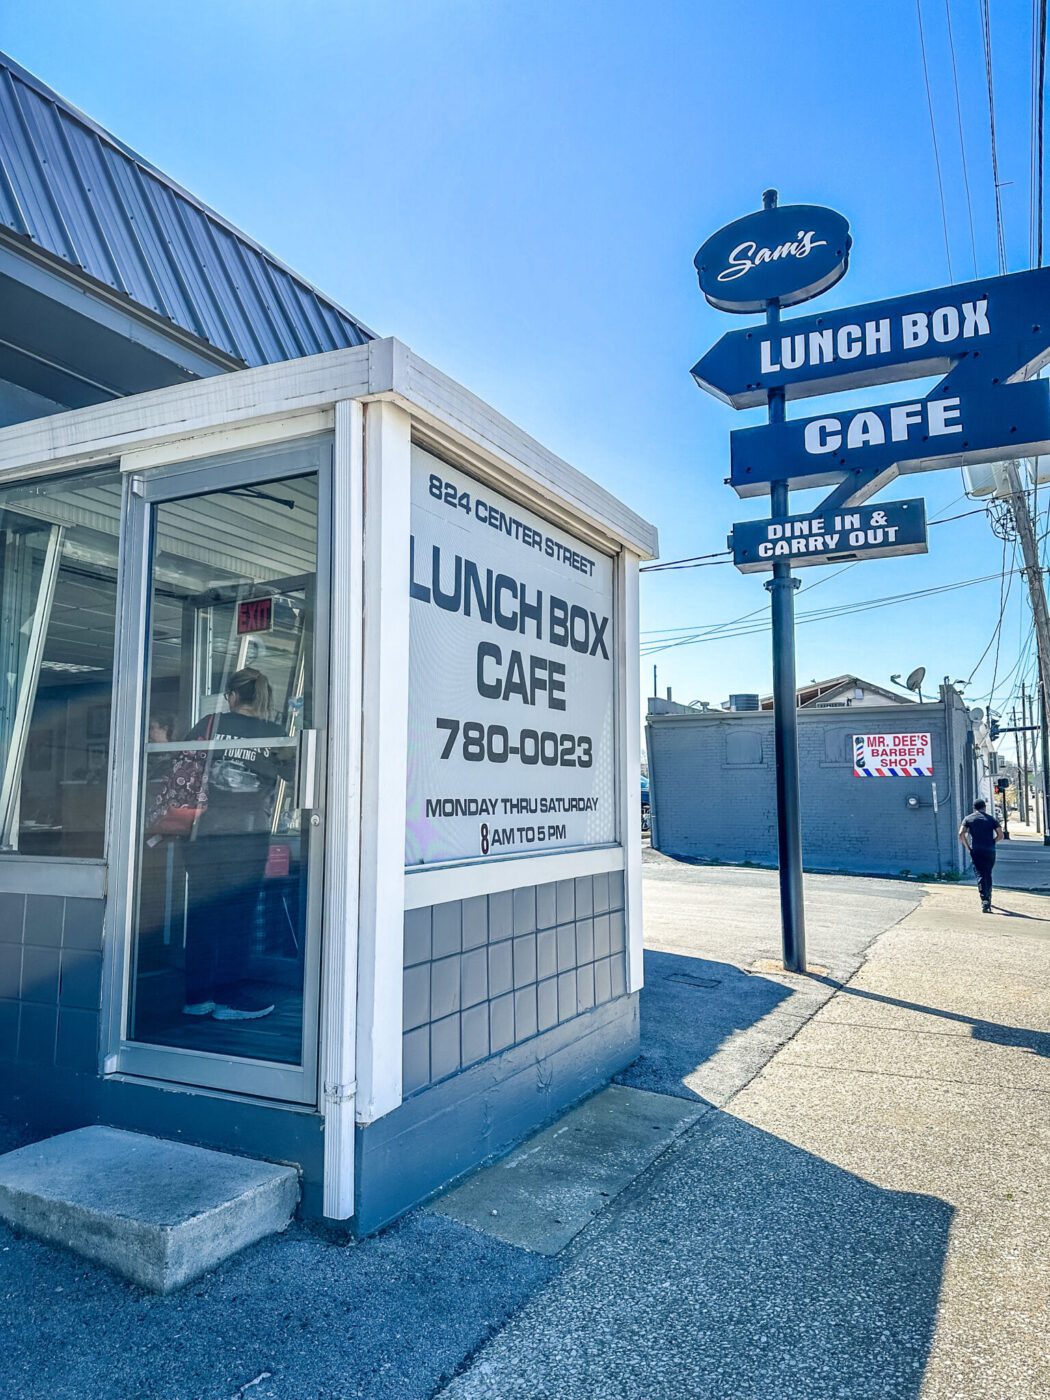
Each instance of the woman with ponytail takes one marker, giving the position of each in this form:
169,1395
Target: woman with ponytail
227,851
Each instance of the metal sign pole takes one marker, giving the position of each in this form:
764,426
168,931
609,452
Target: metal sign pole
1045,736
785,715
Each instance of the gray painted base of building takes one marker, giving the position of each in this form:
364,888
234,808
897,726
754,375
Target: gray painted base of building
160,1213
444,1132
281,1134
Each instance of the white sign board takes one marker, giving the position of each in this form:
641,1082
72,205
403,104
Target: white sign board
511,731
905,755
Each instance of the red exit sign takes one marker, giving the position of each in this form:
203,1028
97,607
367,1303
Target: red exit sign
255,615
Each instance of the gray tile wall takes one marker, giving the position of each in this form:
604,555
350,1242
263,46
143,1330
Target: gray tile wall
487,973
50,981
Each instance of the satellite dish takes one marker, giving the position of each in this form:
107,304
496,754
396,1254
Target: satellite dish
915,680
977,714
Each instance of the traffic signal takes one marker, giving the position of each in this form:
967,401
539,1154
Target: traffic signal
1001,784
993,729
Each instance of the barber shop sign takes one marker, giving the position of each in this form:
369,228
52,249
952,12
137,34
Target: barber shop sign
893,755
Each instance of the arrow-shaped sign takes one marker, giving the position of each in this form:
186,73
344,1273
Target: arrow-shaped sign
984,410
871,446
907,337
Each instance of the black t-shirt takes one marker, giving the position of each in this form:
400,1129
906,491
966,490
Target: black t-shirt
981,828
241,781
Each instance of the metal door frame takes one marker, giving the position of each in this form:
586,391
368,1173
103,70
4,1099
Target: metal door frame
292,1084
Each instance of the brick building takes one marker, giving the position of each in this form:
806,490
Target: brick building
713,794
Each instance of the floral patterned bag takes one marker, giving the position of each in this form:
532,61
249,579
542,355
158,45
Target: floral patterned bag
183,799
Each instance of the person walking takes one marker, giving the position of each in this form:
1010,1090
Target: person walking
979,833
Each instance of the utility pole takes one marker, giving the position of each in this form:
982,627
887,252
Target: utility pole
1024,744
1021,744
1028,711
1033,574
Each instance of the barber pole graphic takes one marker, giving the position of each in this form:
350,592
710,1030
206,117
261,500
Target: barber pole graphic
892,756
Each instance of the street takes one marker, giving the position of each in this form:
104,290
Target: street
855,1208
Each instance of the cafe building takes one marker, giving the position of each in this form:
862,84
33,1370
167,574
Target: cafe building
319,829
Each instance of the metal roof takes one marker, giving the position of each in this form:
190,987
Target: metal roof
73,191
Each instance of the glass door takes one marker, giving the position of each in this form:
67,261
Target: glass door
221,987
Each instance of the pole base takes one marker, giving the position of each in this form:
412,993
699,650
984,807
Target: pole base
776,965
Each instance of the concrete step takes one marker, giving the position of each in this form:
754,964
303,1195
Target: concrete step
541,1196
160,1213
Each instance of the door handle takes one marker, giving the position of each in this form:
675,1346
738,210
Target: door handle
306,771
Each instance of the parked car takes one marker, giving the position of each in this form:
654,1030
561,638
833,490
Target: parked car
646,817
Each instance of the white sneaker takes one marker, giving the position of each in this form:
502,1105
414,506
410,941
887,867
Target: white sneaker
198,1008
241,1013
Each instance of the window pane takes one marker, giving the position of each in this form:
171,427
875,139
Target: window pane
58,594
221,925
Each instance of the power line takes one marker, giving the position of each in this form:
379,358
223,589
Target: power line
981,510
986,34
1025,659
933,133
1012,694
818,615
656,633
691,561
708,561
1038,103
997,630
959,122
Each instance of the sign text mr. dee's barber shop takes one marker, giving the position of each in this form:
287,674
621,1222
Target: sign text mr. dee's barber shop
906,755
511,677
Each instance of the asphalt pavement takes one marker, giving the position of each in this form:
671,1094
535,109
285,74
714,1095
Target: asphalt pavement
855,1206
1023,862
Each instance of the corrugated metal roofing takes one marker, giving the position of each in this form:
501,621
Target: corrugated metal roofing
76,192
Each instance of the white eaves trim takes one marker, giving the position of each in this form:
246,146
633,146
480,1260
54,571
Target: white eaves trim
452,410
444,413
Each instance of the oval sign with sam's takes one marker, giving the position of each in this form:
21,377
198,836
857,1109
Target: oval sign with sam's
786,254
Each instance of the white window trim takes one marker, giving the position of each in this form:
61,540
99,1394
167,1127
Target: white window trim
337,1061
384,762
462,880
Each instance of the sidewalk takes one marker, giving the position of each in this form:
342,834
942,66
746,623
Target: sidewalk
867,1218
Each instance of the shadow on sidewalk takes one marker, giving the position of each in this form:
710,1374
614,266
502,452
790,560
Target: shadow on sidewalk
690,1007
820,1281
1016,914
992,1032
747,1268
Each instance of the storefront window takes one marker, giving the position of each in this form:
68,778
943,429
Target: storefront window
58,593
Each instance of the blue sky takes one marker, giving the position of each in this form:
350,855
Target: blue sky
517,189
